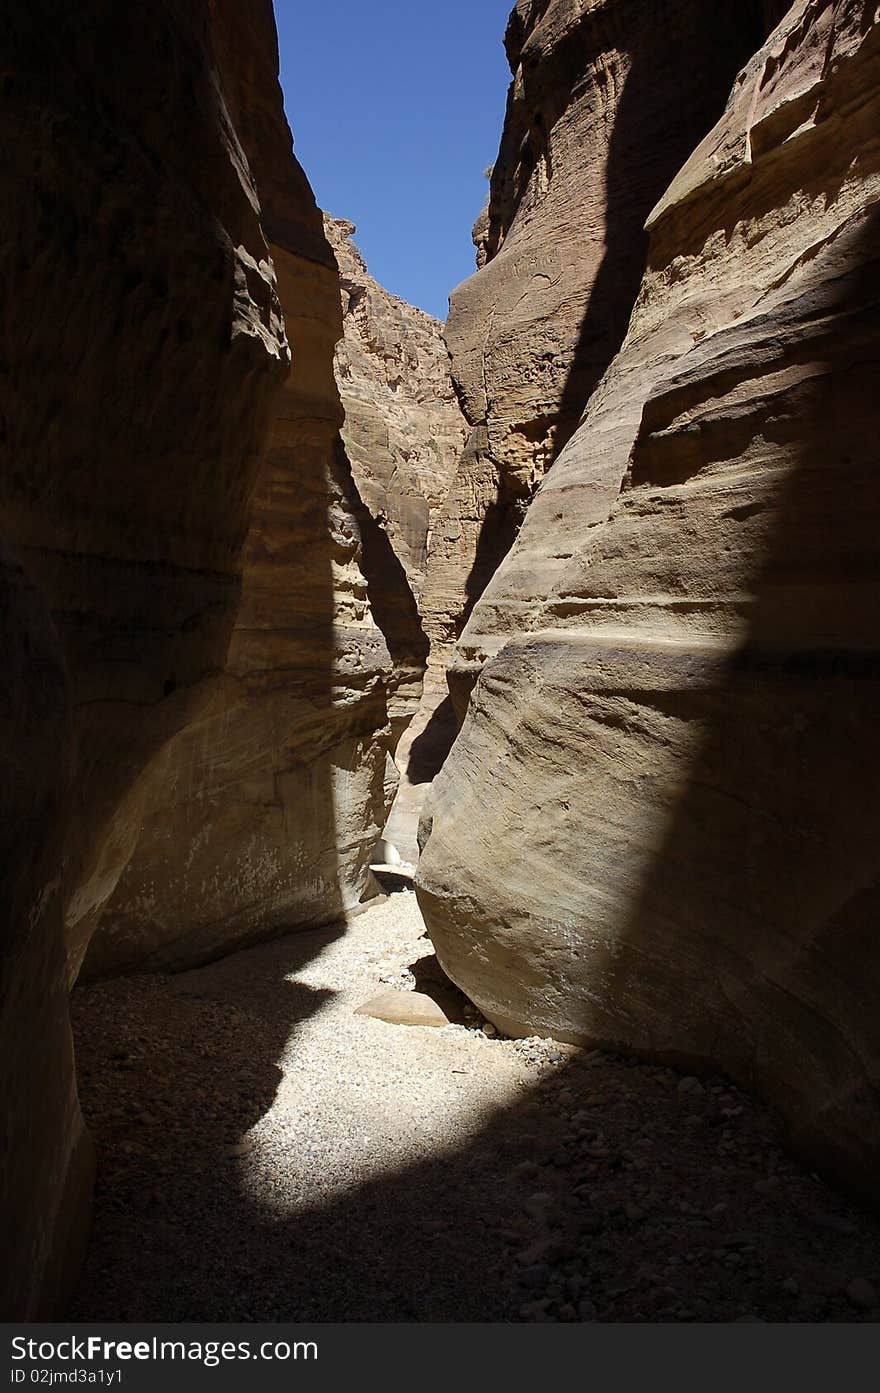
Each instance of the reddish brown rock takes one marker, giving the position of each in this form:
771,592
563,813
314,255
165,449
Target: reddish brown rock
677,850
403,435
403,430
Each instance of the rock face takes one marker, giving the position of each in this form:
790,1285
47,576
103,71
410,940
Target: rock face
677,850
608,99
137,403
45,1172
561,248
403,430
143,345
266,809
403,436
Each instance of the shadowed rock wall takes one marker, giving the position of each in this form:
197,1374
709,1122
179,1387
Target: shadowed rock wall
142,345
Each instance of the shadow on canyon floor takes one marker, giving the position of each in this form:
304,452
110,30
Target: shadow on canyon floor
607,1187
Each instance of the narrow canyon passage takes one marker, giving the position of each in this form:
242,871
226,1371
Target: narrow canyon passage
267,1154
537,640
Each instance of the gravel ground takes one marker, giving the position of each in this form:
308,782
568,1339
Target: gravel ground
266,1154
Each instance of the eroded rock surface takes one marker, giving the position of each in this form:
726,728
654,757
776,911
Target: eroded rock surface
139,392
607,101
269,805
403,428
45,1174
143,343
403,436
659,826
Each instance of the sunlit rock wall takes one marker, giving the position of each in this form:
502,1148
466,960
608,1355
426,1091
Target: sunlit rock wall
608,99
659,826
404,433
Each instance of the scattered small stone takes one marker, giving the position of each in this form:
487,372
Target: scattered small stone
862,1294
572,1191
535,1276
767,1186
690,1087
535,1250
538,1205
534,1310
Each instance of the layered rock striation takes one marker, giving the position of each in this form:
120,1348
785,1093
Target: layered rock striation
205,628
658,829
403,428
608,98
403,435
143,343
266,809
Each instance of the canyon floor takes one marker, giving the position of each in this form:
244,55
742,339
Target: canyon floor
267,1154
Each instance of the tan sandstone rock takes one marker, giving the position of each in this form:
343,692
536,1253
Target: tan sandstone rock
403,1008
403,435
265,811
608,98
659,827
142,345
403,429
140,389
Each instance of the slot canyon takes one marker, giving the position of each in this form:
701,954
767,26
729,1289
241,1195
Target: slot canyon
439,829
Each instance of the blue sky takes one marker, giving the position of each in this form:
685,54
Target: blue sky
396,108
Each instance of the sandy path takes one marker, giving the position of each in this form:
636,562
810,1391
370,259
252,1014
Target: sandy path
267,1154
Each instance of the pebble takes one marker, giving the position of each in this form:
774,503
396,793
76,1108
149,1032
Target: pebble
589,1196
862,1294
690,1087
538,1205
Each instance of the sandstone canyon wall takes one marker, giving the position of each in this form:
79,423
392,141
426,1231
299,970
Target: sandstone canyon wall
607,100
403,435
676,851
146,355
267,808
590,141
